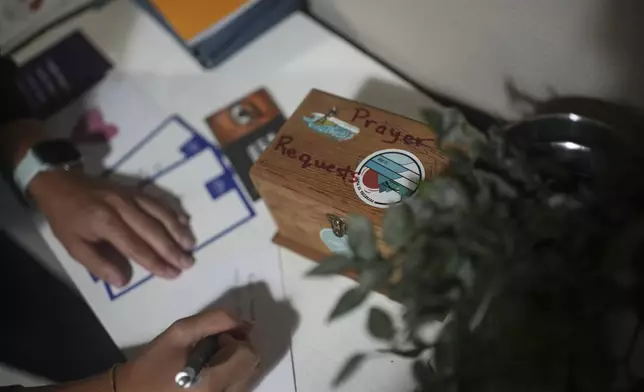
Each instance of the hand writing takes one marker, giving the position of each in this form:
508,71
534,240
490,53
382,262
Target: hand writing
231,369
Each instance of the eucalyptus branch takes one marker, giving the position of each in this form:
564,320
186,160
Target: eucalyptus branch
508,263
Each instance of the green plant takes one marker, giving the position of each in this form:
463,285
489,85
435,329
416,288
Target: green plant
521,275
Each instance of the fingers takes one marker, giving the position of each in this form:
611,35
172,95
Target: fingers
246,385
175,223
190,330
152,232
113,272
126,241
233,366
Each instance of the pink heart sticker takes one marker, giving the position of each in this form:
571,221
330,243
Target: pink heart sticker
92,128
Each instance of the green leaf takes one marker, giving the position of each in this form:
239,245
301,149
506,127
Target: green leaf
460,164
334,264
349,301
380,324
452,118
436,312
350,367
398,225
445,193
502,187
410,353
483,197
434,118
444,356
467,274
375,275
456,130
361,238
424,373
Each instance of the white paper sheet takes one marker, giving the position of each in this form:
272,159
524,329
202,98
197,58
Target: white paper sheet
19,19
214,216
233,236
119,107
162,150
248,283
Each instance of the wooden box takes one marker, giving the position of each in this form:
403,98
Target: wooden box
334,157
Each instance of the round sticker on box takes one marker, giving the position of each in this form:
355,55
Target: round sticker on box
387,176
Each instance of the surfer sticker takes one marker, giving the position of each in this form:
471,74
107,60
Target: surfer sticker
329,125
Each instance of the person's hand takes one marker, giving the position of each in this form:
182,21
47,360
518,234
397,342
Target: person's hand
231,369
85,214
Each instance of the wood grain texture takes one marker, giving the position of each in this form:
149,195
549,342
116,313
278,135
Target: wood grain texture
298,217
305,175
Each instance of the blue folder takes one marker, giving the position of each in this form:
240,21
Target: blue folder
222,44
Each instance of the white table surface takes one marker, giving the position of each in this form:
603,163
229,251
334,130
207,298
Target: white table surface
289,60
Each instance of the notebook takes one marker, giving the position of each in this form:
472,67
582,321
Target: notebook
212,31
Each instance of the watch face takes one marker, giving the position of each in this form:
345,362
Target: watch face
56,152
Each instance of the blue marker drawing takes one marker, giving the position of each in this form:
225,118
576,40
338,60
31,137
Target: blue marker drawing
222,185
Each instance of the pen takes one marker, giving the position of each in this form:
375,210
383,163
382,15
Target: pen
197,359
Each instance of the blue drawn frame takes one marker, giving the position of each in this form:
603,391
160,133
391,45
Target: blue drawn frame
228,176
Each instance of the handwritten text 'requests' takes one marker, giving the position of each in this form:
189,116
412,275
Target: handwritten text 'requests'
308,161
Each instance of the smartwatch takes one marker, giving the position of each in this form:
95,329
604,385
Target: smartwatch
49,155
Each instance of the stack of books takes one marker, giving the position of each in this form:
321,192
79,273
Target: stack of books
22,21
212,30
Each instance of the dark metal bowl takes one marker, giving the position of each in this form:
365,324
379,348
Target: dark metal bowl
571,149
582,144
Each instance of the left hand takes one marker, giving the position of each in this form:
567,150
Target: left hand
85,212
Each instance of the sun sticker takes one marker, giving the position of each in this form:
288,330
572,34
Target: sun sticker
386,177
